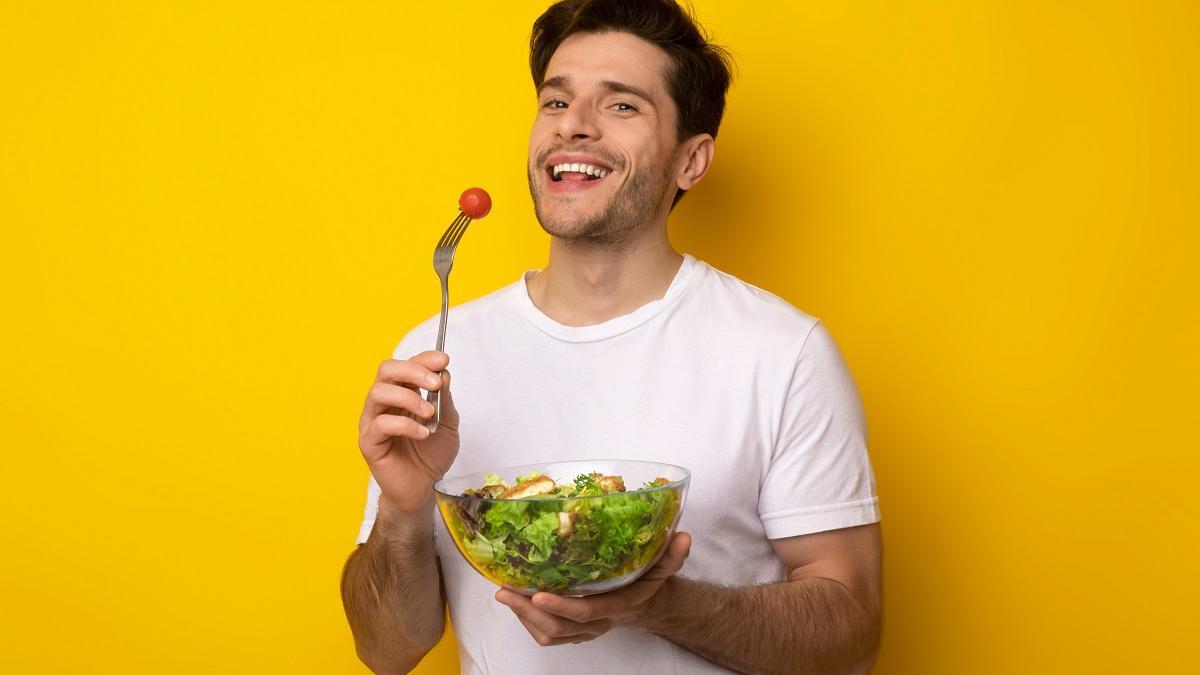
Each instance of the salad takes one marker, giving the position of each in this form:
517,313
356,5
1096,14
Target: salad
537,534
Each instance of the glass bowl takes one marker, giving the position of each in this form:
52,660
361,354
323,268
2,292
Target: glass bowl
570,545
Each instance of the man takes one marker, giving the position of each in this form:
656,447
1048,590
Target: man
623,348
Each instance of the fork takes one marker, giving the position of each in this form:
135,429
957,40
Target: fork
443,260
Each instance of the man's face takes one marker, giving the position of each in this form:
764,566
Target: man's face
603,103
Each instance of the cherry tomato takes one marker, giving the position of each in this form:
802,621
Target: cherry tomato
475,202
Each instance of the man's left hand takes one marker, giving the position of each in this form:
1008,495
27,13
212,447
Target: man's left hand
557,620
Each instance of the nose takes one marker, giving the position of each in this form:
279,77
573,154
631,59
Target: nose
577,123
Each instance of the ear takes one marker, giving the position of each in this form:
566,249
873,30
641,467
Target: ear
696,155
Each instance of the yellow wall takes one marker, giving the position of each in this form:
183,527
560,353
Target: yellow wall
217,218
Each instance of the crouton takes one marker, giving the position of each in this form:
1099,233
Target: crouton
490,491
540,485
610,484
566,523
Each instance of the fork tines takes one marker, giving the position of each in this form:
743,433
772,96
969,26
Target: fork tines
455,232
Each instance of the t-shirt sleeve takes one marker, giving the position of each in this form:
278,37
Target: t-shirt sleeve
409,346
372,510
819,477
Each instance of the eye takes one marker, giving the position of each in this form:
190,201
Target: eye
555,103
624,107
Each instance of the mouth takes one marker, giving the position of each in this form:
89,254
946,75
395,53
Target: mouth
575,176
576,172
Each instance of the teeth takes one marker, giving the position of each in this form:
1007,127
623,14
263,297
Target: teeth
579,168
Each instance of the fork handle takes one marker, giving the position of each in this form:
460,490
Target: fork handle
434,396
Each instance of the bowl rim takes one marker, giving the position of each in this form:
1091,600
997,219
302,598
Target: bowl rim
687,476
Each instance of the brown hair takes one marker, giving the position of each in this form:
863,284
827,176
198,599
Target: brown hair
701,74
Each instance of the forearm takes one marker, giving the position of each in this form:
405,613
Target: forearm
391,590
809,625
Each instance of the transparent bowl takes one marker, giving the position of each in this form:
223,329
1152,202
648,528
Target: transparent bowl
609,542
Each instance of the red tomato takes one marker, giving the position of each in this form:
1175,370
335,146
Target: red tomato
475,202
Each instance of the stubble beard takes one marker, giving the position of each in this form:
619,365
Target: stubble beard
628,212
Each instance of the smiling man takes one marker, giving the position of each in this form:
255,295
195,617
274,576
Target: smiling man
623,348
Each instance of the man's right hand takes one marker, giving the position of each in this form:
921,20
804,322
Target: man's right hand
405,459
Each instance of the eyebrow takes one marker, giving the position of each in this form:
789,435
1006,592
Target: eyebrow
564,82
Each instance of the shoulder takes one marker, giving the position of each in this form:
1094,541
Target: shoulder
752,313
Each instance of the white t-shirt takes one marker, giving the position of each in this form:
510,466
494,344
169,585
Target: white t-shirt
718,376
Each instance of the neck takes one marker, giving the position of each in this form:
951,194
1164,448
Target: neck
584,284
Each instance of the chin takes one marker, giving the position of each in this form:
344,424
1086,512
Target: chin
564,227
562,219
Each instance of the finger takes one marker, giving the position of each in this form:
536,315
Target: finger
385,396
581,611
548,625
375,439
681,546
539,636
672,560
410,373
433,360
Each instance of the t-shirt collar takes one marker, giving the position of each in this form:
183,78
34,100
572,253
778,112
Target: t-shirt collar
607,329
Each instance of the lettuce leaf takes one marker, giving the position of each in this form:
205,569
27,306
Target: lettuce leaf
540,533
506,517
519,543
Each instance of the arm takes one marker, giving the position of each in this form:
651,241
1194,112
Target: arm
392,593
824,619
391,586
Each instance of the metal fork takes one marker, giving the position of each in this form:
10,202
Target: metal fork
443,260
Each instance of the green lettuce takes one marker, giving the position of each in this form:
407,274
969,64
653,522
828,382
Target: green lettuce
520,542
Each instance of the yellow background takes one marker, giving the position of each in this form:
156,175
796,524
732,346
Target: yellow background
218,216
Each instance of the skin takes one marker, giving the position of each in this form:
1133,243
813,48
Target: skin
824,619
609,255
391,586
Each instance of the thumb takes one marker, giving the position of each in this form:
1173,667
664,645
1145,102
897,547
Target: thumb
681,546
449,412
677,552
672,559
